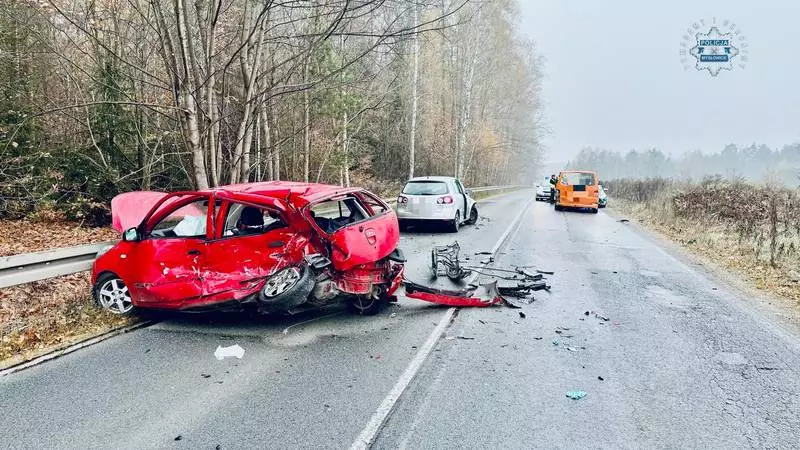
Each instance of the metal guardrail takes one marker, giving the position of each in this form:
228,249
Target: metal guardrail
30,267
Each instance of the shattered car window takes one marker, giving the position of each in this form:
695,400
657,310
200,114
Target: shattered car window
186,221
247,220
337,213
374,206
425,188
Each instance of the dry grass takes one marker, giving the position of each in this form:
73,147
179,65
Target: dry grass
40,316
750,230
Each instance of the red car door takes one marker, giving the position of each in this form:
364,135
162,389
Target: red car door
252,240
164,266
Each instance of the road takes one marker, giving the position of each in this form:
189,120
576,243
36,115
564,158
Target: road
685,362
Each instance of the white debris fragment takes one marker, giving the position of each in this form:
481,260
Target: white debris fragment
223,352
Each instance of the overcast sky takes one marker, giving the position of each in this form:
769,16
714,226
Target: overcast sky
614,77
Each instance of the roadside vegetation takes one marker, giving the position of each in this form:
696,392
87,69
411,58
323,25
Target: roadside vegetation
752,229
48,230
752,162
98,98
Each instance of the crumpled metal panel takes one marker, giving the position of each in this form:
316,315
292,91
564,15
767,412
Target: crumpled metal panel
481,296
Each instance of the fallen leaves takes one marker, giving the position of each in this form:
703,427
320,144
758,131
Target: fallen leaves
40,315
26,236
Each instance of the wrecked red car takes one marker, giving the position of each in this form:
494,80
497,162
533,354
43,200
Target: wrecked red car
273,246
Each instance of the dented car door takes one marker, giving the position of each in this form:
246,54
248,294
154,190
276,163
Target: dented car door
251,242
165,264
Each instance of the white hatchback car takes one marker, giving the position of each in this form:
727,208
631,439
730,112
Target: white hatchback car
436,199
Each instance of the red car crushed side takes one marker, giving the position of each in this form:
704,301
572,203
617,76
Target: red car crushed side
221,265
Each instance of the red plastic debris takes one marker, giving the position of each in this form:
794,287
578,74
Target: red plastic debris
482,296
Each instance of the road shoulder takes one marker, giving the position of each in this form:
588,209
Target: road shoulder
784,311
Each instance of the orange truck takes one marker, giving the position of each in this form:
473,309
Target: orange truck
577,189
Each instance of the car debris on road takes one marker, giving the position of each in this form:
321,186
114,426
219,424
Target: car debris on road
445,261
576,395
233,351
480,296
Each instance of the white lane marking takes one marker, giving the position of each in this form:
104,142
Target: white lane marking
367,436
370,432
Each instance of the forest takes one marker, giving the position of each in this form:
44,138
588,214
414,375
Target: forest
754,163
99,97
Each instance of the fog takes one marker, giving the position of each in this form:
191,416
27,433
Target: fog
614,77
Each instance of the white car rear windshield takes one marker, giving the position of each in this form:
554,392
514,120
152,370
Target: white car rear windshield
425,188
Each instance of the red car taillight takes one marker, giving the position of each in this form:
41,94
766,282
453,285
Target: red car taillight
402,199
445,200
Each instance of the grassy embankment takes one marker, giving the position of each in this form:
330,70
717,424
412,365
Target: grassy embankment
752,230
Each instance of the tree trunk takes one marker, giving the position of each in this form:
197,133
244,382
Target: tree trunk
466,109
275,152
257,149
191,120
345,149
414,87
306,121
214,145
266,144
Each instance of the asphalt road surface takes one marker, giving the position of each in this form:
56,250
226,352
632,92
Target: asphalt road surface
685,362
